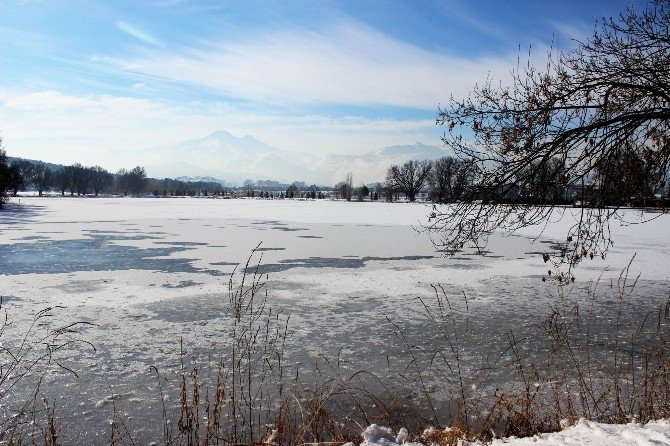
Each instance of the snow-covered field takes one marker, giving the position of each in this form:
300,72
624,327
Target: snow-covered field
149,272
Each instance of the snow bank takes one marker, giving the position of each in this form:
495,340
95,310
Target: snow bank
375,435
599,434
583,433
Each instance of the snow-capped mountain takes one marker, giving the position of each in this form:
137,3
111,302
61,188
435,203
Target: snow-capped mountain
224,156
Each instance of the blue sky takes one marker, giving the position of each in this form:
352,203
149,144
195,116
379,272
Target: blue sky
92,81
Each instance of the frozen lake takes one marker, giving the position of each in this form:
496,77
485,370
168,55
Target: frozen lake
149,272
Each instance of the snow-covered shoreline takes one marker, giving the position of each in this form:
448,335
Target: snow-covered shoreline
581,433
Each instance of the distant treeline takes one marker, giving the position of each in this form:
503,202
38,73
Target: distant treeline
445,180
442,181
449,180
77,179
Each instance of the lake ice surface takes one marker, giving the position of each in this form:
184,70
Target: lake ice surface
150,272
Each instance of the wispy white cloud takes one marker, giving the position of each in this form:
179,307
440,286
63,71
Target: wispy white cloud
350,63
464,13
573,31
29,40
138,33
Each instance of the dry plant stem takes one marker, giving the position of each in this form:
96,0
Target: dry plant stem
243,396
120,430
167,432
627,380
34,356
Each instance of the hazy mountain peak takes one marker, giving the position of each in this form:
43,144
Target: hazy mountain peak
223,155
249,138
227,136
219,134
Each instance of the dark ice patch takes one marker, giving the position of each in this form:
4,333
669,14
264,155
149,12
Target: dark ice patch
97,253
181,284
34,237
483,253
331,262
463,266
552,244
193,309
182,243
282,228
5,299
224,264
13,214
269,222
81,286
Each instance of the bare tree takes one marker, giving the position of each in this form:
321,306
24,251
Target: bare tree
635,183
63,180
81,179
549,186
100,179
607,100
462,181
441,179
409,178
42,178
345,189
122,182
450,179
19,174
348,187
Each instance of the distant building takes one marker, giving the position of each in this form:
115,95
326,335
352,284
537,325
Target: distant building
268,183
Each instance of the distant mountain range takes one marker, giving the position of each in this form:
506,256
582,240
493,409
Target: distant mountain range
232,159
